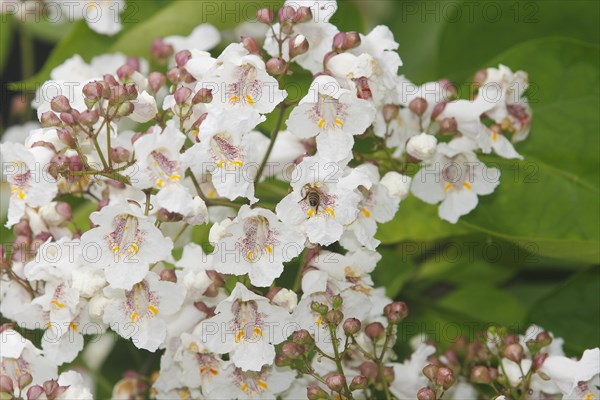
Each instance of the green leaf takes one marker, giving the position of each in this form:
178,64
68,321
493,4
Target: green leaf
393,271
6,36
571,311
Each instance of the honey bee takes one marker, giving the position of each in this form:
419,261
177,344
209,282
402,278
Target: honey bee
312,195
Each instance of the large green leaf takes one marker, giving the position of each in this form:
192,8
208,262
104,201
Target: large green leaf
571,311
6,36
547,203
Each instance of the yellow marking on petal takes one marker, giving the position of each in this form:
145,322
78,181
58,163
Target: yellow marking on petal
234,99
20,193
239,336
73,326
220,163
319,320
57,304
48,325
249,99
195,132
249,255
263,384
134,248
269,249
160,183
153,309
311,212
185,394
321,123
257,331
134,316
203,369
589,396
366,212
238,163
448,186
175,177
214,371
212,194
467,185
339,123
494,136
244,387
330,211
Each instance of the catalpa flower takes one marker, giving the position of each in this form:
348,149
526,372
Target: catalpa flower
266,383
204,37
454,177
124,243
332,114
255,243
225,153
157,155
247,327
323,201
137,314
30,183
242,81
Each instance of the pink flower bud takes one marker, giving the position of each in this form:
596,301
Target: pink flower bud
49,119
374,330
251,45
359,382
125,109
426,393
390,112
429,371
89,118
363,90
479,78
134,62
303,14
369,369
119,154
110,80
161,50
444,377
302,337
125,71
437,110
118,94
24,380
68,119
22,228
292,350
538,360
156,80
335,382
174,75
265,16
351,40
543,338
298,46
314,392
75,163
34,392
448,125
276,66
338,41
204,95
396,312
286,14
182,57
64,210
418,106
60,104
168,275
182,95
46,145
6,385
93,90
202,307
513,352
334,317
480,374
132,92
389,375
351,326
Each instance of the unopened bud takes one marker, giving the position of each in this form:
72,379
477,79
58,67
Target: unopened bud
204,95
182,95
132,92
201,306
445,377
119,154
338,41
6,384
543,338
479,78
168,275
421,147
161,50
67,118
418,106
426,393
359,382
337,301
351,40
34,392
319,308
303,14
298,46
369,369
351,326
480,374
125,109
49,119
291,350
60,104
118,94
335,382
389,375
437,110
286,14
283,361
66,137
374,330
513,352
134,62
110,80
448,125
156,80
448,87
64,210
182,57
334,317
390,112
164,215
265,16
93,90
22,228
538,360
276,66
396,312
125,71
314,392
175,75
251,45
24,380
89,118
302,337
429,371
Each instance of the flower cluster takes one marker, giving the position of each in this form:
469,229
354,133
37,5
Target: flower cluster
157,161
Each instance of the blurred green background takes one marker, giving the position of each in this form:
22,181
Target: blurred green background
530,252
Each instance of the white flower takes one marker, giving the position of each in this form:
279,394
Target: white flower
567,373
157,155
515,372
286,298
266,383
242,81
332,114
102,16
145,108
88,280
454,177
204,37
256,243
408,376
422,147
247,327
137,314
124,243
30,182
76,386
397,184
226,153
323,199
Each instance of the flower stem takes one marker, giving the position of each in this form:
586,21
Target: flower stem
338,360
282,108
